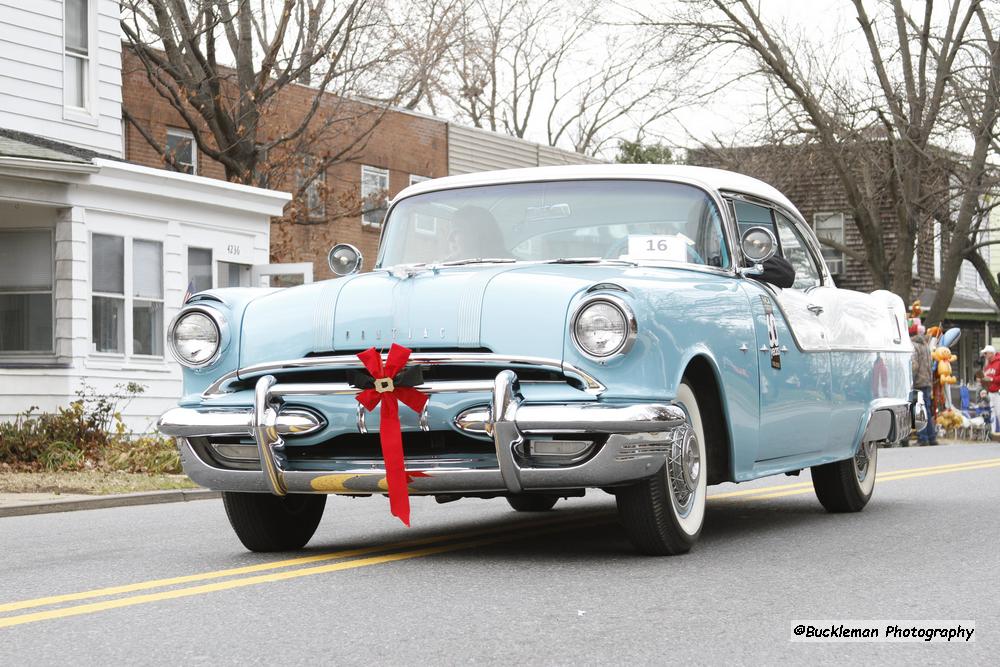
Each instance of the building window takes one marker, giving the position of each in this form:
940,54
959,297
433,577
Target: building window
111,300
26,291
76,68
831,226
232,274
315,193
147,302
181,146
423,223
108,275
199,270
374,195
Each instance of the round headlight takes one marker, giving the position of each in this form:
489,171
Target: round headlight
603,327
195,339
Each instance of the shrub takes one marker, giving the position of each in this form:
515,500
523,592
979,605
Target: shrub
88,434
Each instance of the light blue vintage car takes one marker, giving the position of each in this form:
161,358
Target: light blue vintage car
587,327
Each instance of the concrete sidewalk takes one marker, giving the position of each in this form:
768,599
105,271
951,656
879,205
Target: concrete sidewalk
21,504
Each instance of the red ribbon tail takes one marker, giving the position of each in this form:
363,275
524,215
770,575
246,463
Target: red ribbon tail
392,452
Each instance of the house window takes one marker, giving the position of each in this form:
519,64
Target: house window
147,302
180,145
315,192
831,226
112,298
199,270
374,195
418,179
76,42
26,291
232,274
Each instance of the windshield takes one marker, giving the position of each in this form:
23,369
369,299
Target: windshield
647,221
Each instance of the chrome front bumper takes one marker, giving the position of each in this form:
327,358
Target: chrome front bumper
639,438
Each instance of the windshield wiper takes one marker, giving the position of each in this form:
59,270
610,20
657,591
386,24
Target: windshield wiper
590,260
479,260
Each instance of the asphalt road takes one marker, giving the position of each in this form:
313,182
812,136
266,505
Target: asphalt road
475,581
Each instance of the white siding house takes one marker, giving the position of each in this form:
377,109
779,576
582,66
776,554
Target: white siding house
60,71
96,254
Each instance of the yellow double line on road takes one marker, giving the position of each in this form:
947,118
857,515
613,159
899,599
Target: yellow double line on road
783,490
364,556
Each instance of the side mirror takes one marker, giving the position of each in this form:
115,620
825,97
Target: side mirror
758,245
344,259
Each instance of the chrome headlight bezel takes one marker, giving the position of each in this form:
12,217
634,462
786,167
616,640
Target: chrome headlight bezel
221,328
631,326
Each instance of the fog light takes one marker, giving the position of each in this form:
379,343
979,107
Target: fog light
236,451
562,448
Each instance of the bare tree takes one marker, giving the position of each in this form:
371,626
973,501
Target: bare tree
227,68
879,127
543,69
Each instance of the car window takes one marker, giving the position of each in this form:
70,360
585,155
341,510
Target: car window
634,220
796,251
751,215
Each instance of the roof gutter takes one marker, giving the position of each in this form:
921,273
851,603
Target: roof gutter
54,166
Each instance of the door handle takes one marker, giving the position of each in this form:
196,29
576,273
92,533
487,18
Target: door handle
814,309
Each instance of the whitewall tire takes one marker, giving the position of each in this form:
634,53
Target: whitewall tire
847,486
663,514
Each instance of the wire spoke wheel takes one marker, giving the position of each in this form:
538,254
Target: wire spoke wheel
663,514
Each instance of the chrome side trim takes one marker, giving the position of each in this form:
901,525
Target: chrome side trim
341,362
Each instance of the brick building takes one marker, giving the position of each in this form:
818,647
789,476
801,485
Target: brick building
405,147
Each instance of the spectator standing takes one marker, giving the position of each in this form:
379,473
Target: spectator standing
991,381
921,364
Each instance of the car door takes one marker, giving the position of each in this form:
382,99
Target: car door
792,348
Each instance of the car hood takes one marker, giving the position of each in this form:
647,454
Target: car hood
519,309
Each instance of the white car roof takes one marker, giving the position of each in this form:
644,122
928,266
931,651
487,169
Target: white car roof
710,179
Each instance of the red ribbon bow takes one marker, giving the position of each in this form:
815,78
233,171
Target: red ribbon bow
390,433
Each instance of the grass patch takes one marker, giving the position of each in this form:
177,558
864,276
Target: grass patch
90,482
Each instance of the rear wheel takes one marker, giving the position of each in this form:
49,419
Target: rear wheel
532,502
847,486
663,514
264,522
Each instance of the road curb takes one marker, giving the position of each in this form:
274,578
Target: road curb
101,502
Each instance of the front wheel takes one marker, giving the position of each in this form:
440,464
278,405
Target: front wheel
264,522
847,486
663,514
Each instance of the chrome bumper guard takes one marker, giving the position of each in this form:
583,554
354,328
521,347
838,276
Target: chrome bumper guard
639,438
